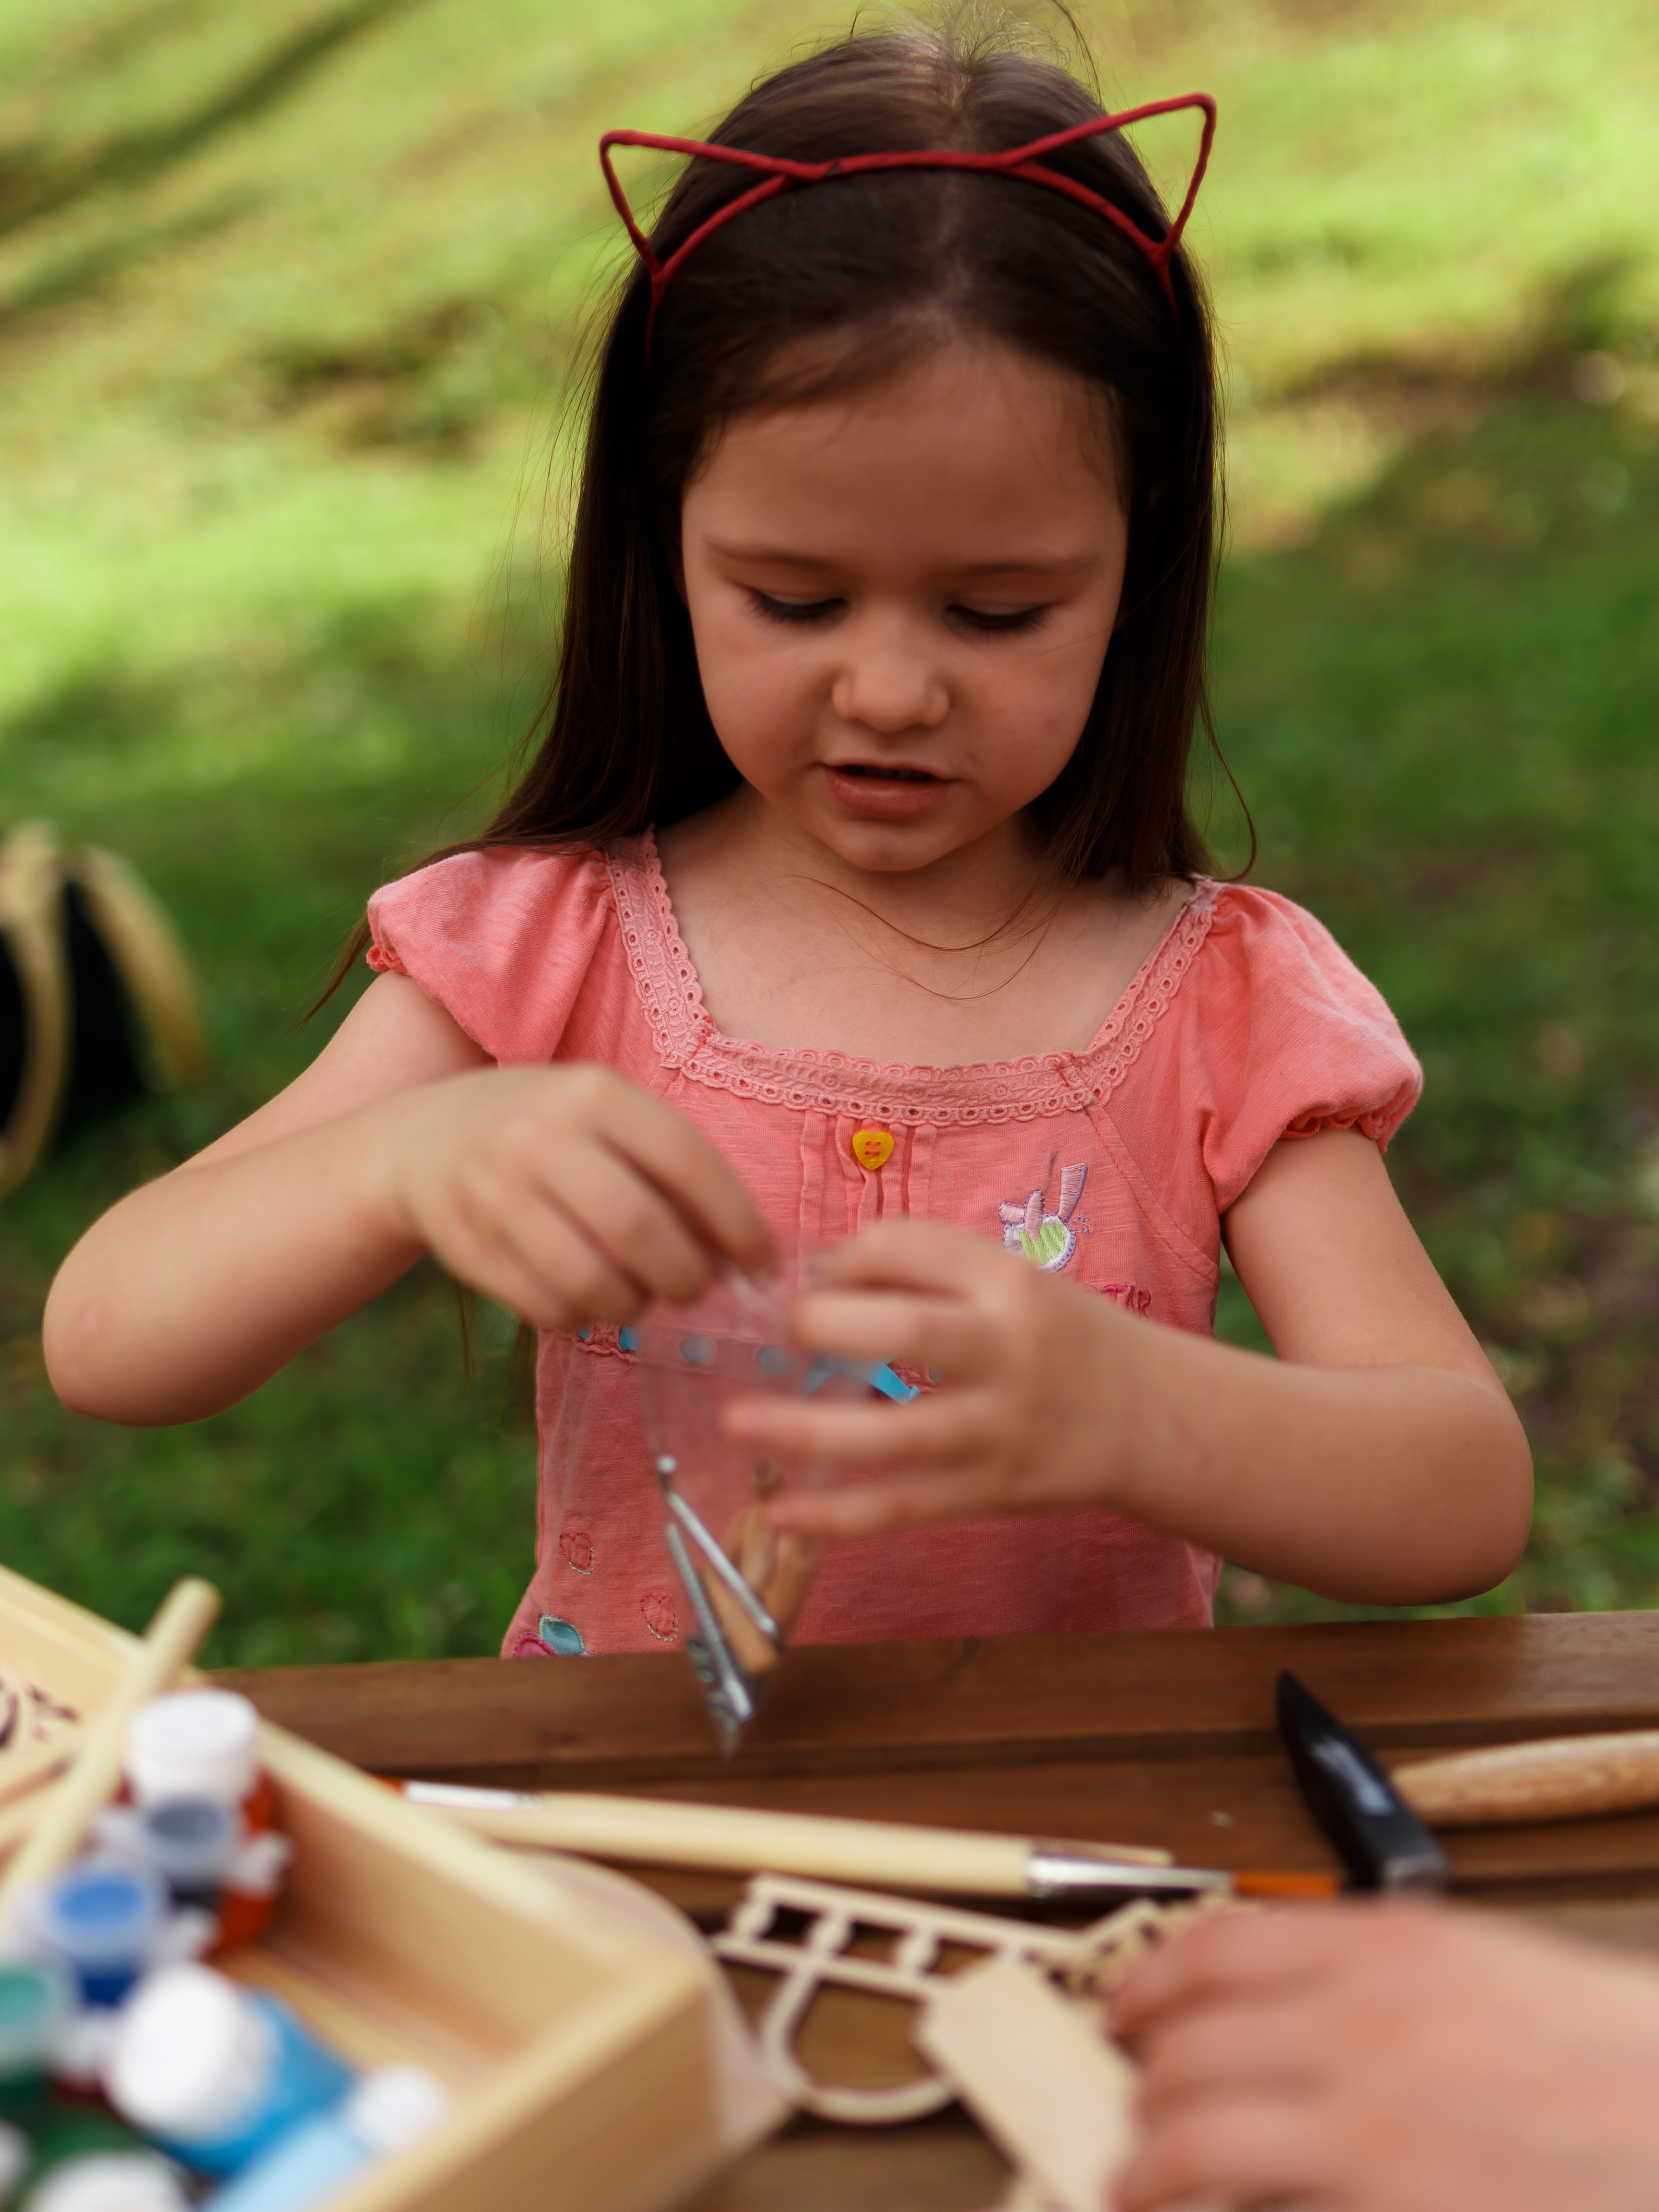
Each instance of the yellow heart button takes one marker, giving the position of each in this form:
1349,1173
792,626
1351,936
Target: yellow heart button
873,1148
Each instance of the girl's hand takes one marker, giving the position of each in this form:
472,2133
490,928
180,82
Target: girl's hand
1036,1377
1376,1459
1361,2058
569,1194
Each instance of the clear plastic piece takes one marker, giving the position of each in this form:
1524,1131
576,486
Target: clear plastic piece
746,1583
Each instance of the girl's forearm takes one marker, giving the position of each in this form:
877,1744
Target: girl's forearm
197,1288
1394,1485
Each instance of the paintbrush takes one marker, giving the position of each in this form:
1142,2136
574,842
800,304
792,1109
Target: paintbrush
734,1839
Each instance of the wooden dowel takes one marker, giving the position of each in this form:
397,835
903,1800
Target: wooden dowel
658,1832
1562,1778
171,1641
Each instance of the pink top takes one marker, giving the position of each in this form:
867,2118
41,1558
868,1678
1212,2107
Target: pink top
1245,1024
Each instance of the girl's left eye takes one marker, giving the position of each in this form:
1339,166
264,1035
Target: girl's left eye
998,625
792,611
992,623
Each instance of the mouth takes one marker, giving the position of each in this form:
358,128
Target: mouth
883,772
886,791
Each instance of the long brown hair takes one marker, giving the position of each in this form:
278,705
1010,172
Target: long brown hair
868,270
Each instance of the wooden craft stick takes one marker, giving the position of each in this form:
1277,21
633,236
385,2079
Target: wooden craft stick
170,1642
1039,2076
19,1815
1563,1778
657,1831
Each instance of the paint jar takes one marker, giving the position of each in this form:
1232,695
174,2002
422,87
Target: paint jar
67,2137
205,1744
104,1918
388,2112
195,1743
215,2073
191,1843
108,2181
37,1999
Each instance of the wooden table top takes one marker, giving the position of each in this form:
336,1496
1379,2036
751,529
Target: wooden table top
1165,1738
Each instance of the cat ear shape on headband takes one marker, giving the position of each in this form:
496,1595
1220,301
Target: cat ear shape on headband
779,174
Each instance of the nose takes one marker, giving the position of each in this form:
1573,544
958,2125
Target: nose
889,679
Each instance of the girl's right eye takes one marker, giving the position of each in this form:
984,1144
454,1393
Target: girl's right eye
792,611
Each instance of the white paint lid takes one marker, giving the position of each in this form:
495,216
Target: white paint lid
192,2057
112,2181
196,1743
395,2106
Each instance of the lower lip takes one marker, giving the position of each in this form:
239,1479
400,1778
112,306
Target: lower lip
879,798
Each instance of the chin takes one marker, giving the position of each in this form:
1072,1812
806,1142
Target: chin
886,848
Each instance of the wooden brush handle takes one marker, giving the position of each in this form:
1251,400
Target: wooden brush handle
1565,1778
187,1613
658,1832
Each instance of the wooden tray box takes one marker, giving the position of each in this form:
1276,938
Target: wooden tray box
578,2050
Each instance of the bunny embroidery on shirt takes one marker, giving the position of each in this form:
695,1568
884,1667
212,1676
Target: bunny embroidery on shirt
1047,1240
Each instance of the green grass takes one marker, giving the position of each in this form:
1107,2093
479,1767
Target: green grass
287,299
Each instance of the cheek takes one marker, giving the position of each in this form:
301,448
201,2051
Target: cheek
1047,700
756,687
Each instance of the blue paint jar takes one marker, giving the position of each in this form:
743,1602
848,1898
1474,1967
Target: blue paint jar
103,1918
216,2073
388,2112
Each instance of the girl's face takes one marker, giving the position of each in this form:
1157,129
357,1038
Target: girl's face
902,598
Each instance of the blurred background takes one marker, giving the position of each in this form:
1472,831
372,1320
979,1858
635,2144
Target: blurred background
288,297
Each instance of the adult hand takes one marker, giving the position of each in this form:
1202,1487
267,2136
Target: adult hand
567,1192
1392,2057
1024,1415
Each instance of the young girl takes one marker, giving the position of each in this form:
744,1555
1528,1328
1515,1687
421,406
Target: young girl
853,890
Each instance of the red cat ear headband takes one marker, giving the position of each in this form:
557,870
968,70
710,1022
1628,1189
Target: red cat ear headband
1025,163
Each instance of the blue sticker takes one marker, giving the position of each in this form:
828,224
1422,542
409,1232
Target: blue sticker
562,1637
878,1379
892,1386
698,1350
628,1339
774,1359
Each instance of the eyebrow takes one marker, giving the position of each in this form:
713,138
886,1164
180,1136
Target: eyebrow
779,557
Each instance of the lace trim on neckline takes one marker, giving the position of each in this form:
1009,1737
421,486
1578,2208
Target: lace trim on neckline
985,1091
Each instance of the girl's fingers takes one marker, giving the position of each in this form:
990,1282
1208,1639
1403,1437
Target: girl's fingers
907,1255
881,1509
954,1337
949,1429
541,1265
630,1221
686,1167
1249,2149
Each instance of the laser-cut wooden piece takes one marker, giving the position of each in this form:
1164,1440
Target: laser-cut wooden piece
1039,2076
1089,1959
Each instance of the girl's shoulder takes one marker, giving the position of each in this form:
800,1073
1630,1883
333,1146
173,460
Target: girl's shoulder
1263,948
1281,1035
502,936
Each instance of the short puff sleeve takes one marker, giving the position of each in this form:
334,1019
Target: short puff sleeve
1288,1037
500,939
